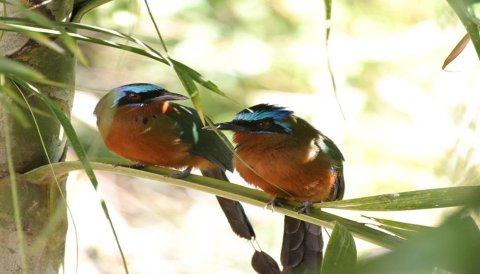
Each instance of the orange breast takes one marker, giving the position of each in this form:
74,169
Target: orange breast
152,140
285,170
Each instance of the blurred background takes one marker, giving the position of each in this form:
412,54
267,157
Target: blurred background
401,121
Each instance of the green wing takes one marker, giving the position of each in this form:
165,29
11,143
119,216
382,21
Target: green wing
211,145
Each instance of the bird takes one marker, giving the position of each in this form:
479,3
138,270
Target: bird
140,122
289,159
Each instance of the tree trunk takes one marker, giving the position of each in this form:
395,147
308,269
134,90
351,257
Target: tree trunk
42,208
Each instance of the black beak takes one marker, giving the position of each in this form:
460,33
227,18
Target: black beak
225,126
169,96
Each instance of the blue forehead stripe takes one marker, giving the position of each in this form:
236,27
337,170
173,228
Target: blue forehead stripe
265,111
138,88
275,114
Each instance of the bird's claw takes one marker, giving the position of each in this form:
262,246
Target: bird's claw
183,174
305,207
273,203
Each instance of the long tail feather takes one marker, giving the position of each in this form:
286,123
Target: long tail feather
233,210
302,247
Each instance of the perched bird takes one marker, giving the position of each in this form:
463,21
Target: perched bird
289,159
140,123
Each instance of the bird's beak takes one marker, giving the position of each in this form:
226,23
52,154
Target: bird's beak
169,96
224,126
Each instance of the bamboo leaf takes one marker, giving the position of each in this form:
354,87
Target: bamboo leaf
223,189
10,67
401,225
411,200
74,141
403,233
23,26
463,10
328,19
453,247
83,7
456,50
41,20
192,90
17,114
341,254
199,78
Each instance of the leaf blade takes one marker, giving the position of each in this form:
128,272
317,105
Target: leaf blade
411,200
341,253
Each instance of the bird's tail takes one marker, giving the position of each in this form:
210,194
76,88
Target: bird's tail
238,220
233,210
302,247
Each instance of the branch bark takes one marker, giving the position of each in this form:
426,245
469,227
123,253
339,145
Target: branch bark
42,208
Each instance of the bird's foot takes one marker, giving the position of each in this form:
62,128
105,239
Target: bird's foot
305,207
273,203
183,174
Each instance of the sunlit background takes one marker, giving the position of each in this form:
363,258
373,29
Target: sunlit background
401,121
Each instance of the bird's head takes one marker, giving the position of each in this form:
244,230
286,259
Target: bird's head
261,119
140,94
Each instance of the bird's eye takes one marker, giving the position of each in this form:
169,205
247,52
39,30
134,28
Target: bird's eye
264,124
133,96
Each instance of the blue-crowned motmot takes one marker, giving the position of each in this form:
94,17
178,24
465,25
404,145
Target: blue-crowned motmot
289,159
140,123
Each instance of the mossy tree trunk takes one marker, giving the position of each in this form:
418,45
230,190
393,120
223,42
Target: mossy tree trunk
42,208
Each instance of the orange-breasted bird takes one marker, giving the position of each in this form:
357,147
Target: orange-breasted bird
140,123
289,159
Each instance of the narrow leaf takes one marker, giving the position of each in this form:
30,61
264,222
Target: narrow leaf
10,67
192,90
456,50
83,7
341,254
461,8
411,200
454,247
21,25
397,224
15,112
78,148
405,234
223,189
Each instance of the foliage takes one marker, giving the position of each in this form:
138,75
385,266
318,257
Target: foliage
449,246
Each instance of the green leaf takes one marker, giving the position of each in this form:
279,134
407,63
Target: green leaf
83,7
15,112
22,25
77,147
401,225
10,67
223,189
403,233
453,247
401,229
192,90
465,10
420,199
199,78
33,18
341,254
328,17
